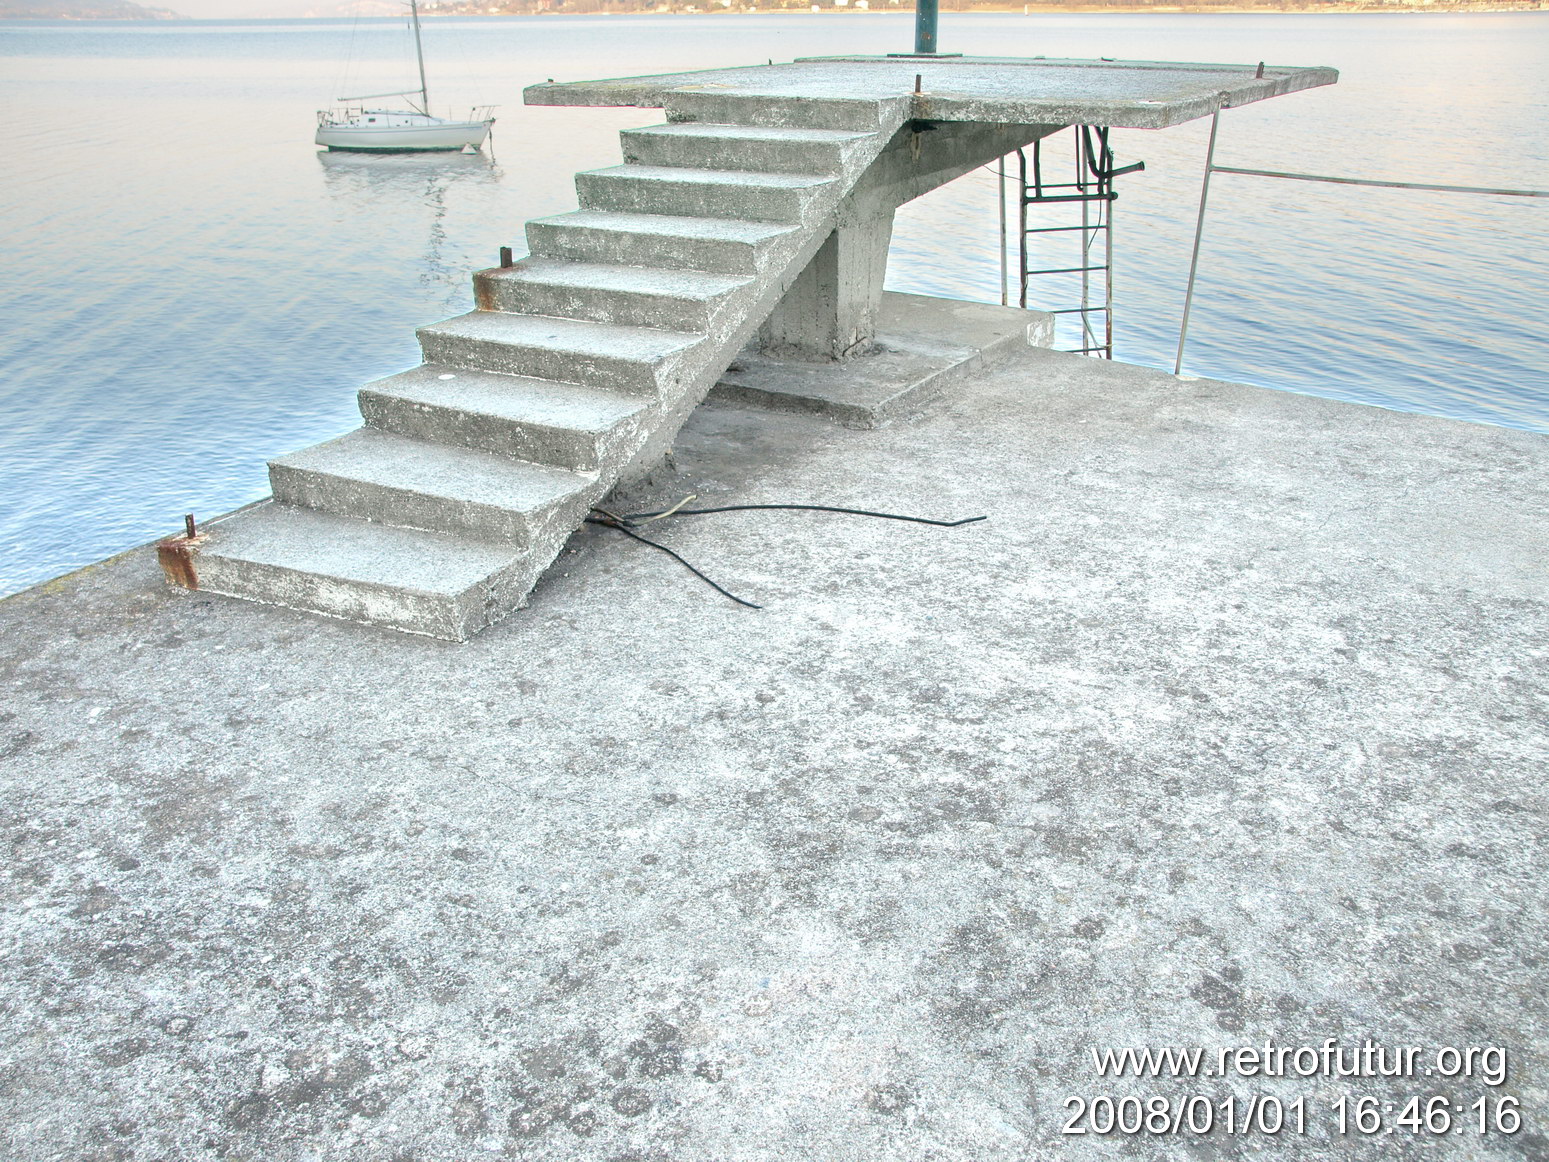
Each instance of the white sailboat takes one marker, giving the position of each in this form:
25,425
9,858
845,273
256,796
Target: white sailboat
364,130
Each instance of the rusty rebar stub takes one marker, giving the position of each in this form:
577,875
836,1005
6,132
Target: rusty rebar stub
176,557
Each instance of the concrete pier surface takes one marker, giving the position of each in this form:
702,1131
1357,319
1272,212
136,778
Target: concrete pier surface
1226,727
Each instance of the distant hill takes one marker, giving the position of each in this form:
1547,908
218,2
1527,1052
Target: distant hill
82,10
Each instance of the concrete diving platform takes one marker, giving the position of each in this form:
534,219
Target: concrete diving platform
987,90
741,247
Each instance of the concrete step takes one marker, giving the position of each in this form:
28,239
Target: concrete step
751,147
601,355
716,245
426,583
635,296
560,424
378,476
707,193
720,108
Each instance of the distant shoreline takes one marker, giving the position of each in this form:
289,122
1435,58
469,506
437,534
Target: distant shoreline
1116,8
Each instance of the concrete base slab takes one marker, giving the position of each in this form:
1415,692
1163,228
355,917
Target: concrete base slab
924,344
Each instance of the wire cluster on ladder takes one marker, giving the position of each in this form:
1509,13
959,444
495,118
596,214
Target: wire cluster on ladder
1092,187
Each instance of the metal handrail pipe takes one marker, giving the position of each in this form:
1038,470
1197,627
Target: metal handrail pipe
1307,177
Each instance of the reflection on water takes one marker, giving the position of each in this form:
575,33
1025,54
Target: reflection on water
384,182
190,287
355,172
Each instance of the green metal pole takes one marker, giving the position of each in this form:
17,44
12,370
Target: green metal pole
925,25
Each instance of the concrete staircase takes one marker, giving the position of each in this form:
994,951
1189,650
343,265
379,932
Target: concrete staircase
575,372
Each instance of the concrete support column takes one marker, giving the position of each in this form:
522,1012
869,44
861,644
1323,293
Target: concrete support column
830,311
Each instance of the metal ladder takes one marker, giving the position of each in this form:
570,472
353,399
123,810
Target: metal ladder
1093,189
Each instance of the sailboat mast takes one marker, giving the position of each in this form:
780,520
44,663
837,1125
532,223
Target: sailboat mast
419,52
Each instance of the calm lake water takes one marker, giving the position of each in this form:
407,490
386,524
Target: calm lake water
190,288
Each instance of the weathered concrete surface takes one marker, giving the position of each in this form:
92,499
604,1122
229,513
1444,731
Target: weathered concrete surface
1125,94
1228,724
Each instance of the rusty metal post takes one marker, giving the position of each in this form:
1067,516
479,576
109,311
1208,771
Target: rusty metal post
176,555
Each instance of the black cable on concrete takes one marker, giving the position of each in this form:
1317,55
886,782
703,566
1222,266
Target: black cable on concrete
626,525
608,520
945,524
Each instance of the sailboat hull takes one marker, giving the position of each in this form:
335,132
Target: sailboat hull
367,138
